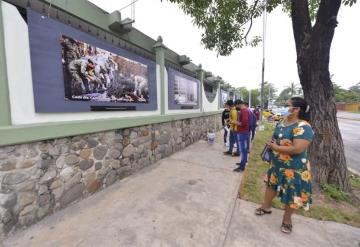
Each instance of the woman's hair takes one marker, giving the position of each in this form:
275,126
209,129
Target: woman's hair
304,112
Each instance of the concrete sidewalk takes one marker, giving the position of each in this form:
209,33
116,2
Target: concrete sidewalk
188,199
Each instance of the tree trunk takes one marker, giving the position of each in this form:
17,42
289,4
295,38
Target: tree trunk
313,44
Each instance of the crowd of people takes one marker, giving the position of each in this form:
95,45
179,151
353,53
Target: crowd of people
240,124
289,175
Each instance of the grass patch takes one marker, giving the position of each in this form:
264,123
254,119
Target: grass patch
355,181
331,204
336,194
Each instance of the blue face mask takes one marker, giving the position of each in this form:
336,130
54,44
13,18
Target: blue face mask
286,112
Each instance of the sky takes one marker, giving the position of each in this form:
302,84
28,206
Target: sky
243,66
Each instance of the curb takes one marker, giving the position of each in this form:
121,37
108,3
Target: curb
353,119
353,171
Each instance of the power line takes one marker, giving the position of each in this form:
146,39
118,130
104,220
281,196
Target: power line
132,2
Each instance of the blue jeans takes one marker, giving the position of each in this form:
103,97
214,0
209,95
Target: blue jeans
243,140
252,131
233,139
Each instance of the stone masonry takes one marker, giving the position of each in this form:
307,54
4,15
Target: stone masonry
40,178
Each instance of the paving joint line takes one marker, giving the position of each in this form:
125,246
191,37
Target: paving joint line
201,165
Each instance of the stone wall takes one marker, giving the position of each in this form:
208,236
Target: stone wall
40,178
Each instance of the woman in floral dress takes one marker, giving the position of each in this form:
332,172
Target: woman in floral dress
289,175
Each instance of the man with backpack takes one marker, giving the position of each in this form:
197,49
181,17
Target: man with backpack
253,120
256,111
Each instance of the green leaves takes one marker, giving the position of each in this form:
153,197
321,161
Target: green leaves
349,2
347,96
227,23
223,21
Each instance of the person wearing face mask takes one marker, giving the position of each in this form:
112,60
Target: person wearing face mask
233,139
289,176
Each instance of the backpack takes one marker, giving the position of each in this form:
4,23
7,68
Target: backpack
252,120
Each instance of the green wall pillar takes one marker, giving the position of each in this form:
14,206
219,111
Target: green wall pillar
200,73
159,48
5,116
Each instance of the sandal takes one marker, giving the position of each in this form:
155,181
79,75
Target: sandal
286,228
261,211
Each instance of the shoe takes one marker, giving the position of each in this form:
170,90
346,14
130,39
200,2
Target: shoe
238,169
238,164
286,228
235,154
260,211
227,153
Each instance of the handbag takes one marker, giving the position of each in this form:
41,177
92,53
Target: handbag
266,154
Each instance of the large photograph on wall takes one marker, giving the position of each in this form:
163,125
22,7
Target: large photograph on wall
224,97
183,90
95,74
73,71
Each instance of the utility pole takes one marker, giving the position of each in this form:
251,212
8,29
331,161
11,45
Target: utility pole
263,63
269,95
250,98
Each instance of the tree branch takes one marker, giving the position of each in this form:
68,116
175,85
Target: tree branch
300,17
251,20
326,19
245,37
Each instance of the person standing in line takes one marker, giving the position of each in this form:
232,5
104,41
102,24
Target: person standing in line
289,176
243,126
225,116
257,112
252,125
233,132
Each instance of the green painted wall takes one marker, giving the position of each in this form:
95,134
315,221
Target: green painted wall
28,133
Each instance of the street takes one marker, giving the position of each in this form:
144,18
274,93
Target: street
350,131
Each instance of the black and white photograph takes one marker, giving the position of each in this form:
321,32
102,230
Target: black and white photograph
95,74
185,91
224,97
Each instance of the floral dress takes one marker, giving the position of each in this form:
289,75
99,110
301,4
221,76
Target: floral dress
289,175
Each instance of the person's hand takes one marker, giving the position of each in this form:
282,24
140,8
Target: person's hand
272,144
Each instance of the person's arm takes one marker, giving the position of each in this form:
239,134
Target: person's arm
302,137
298,146
240,119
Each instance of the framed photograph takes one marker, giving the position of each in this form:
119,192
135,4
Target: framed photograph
76,72
224,96
95,74
183,90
